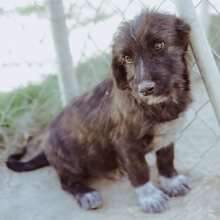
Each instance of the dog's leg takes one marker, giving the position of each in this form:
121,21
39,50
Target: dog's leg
86,197
171,182
151,199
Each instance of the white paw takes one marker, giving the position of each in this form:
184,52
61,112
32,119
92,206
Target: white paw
151,199
176,186
90,200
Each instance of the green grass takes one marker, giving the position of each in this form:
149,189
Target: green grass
92,71
28,110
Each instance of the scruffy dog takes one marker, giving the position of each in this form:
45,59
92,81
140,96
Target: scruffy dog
123,118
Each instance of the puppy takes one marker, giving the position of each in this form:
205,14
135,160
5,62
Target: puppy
137,111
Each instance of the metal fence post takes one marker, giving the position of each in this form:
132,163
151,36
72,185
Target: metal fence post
66,75
202,53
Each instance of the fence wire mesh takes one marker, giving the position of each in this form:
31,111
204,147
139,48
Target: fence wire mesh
30,97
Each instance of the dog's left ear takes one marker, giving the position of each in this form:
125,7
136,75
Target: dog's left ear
119,73
183,33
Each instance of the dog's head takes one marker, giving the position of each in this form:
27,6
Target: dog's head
148,55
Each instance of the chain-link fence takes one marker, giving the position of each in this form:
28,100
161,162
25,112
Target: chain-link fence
29,90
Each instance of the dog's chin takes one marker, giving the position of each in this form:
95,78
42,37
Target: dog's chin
154,99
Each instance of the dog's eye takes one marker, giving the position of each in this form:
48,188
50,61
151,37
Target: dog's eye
128,59
159,46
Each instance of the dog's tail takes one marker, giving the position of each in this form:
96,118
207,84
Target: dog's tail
39,161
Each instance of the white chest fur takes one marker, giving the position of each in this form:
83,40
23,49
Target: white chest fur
166,133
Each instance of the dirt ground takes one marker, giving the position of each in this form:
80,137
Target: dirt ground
37,195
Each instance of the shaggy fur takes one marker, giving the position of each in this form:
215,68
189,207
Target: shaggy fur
125,117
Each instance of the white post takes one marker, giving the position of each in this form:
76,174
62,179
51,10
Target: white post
204,16
66,75
202,53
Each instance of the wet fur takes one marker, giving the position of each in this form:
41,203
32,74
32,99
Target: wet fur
112,125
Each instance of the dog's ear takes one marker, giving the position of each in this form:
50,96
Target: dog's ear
183,33
119,73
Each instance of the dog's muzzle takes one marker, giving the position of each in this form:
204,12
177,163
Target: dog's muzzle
146,88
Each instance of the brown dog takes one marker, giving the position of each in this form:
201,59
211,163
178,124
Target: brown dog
125,117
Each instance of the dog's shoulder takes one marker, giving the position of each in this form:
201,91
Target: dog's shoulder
83,110
94,97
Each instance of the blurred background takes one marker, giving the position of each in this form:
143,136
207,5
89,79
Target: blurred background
30,89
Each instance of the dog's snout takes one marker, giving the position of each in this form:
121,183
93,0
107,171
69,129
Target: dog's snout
146,87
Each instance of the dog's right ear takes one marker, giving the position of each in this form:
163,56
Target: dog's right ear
183,32
119,73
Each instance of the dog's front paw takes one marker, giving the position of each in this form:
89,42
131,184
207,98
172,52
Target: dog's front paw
176,186
90,200
151,199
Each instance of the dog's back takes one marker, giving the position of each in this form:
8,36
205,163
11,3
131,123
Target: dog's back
81,133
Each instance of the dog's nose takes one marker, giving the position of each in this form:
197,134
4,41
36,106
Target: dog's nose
146,87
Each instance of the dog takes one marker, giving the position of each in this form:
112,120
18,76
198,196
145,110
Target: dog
138,110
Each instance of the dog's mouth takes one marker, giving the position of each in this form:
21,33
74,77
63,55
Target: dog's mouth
153,99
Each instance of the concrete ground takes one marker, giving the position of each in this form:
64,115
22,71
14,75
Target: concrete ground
37,195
